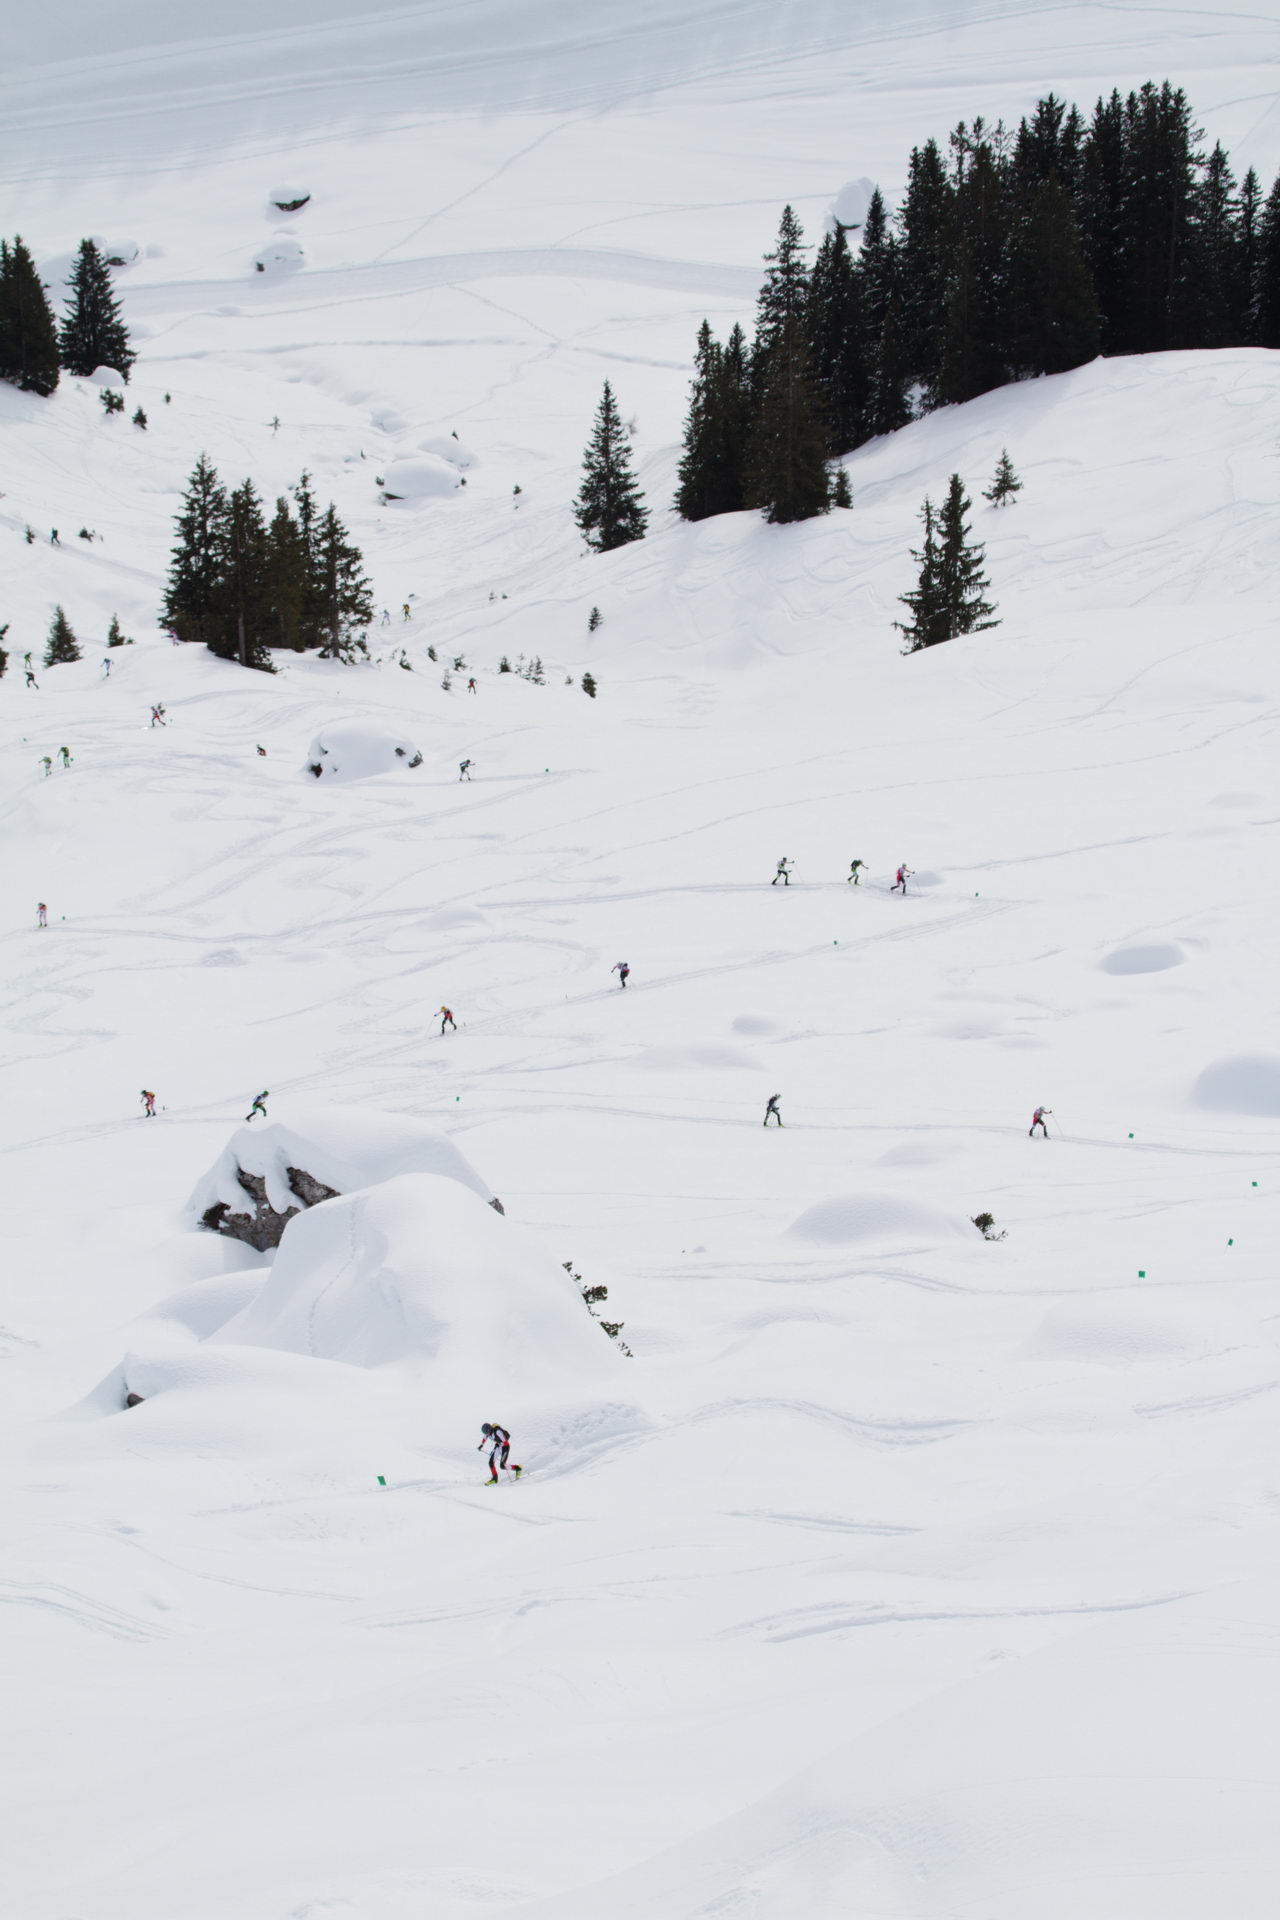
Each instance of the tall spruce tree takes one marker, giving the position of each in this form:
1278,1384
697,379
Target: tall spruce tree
783,299
1250,231
608,507
699,482
28,335
93,333
63,646
974,333
838,345
1156,298
1266,281
242,601
1053,322
1100,193
927,625
947,600
927,225
346,598
787,455
879,271
1219,298
286,579
190,608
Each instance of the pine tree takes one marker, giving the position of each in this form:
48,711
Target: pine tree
594,619
114,636
787,464
927,625
1266,283
961,581
63,646
1156,297
1218,298
974,335
608,507
1100,197
242,600
838,345
1005,484
94,334
783,299
28,334
879,269
191,594
927,226
841,496
311,618
1250,232
346,597
1053,322
698,479
286,579
589,685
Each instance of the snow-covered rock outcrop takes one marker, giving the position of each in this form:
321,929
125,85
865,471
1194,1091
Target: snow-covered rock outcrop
265,1176
424,477
359,750
282,253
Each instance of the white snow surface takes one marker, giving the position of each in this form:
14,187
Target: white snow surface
900,1573
359,750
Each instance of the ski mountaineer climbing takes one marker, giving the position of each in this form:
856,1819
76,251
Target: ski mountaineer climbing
47,764
900,880
66,757
783,873
771,1111
622,970
262,753
464,769
31,679
42,914
157,717
855,868
149,1104
498,1440
1037,1120
106,669
259,1105
471,686
447,1020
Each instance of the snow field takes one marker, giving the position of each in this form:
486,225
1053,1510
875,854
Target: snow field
900,1572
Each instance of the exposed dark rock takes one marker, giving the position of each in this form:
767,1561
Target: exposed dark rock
263,1227
498,1207
133,1399
291,206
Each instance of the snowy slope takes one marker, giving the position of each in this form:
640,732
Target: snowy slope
899,1573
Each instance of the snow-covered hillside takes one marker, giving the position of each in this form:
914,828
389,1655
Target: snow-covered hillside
898,1572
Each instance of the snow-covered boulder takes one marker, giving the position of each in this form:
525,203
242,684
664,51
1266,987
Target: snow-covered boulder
849,208
266,1175
359,750
447,446
290,197
419,1268
873,1220
106,377
1155,956
117,252
424,477
282,253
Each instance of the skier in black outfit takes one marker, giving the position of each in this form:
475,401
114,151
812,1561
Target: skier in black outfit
771,1111
783,873
498,1440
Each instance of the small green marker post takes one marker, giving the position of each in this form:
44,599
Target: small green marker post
1142,1273
1231,1243
1131,1136
1253,1183
381,1481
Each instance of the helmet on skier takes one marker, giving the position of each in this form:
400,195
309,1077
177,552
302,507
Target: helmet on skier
486,1429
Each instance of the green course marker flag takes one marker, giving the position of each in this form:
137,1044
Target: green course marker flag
1142,1273
381,1480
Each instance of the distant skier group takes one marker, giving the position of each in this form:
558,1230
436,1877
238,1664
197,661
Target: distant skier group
786,867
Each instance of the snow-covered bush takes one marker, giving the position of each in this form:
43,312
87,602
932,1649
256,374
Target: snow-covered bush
282,253
359,750
289,197
424,477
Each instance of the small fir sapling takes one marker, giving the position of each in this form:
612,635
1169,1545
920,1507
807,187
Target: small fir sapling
459,665
840,494
589,685
504,665
114,636
986,1225
1005,484
594,619
63,646
29,536
111,402
140,418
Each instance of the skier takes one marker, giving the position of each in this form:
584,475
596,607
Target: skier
471,686
1037,1120
464,769
106,669
447,1020
406,609
42,914
53,538
31,679
157,717
498,1440
901,878
771,1111
47,764
262,753
386,616
855,868
259,1105
66,757
149,1104
622,970
783,873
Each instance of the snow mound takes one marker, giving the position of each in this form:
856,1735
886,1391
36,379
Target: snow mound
282,252
1155,958
424,477
342,1148
1242,1083
290,197
115,251
446,446
849,207
696,1058
359,750
864,1219
420,1268
106,377
755,1026
1117,1333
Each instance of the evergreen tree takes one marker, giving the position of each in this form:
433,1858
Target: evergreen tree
1100,194
879,269
311,615
927,625
286,579
242,614
345,594
114,636
733,406
841,496
28,335
787,464
1219,299
93,333
974,334
927,224
838,344
1005,484
191,594
961,581
782,303
1157,294
698,479
608,507
1266,283
63,646
1250,232
1053,322
589,685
